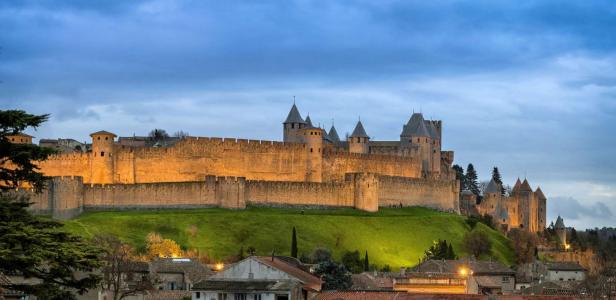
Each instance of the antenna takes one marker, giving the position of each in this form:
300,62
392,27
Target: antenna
293,100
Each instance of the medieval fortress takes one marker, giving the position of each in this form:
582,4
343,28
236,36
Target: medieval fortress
312,167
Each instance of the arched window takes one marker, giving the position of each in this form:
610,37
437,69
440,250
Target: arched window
106,138
98,138
310,150
102,153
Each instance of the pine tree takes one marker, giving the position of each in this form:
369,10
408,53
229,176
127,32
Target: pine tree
294,244
33,246
366,263
471,180
498,179
460,176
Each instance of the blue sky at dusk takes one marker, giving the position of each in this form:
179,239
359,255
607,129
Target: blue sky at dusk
528,86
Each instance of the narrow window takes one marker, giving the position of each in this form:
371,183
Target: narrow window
292,125
106,138
102,153
12,139
311,150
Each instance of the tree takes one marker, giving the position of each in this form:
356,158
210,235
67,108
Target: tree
157,247
181,134
335,276
294,243
471,180
320,255
440,250
524,244
351,260
158,135
498,179
366,262
18,161
477,243
460,176
119,274
32,246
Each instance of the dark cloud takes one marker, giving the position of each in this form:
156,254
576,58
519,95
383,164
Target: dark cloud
571,209
528,86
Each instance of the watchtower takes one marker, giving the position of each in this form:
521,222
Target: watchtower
359,139
102,157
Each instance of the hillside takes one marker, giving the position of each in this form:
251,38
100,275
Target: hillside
396,237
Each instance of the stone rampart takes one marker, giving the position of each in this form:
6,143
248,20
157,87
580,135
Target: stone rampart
69,196
396,191
337,164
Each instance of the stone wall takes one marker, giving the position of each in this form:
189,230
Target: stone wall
68,196
337,164
396,191
300,193
192,159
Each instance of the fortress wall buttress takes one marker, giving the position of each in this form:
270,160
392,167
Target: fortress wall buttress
442,195
62,198
336,165
193,158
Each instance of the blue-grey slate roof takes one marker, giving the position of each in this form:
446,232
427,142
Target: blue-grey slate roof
359,131
294,116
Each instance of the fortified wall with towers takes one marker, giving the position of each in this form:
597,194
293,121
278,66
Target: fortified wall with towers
311,167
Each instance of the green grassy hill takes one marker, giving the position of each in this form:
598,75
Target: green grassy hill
396,237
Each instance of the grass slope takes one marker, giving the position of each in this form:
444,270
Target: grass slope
396,237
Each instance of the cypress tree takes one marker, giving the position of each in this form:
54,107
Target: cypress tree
498,179
471,180
294,244
366,263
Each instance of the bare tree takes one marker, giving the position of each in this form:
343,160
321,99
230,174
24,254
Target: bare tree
524,244
122,275
158,135
181,134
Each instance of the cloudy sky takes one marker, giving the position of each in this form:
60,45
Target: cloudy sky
528,86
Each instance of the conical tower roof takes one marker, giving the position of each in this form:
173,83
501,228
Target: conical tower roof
308,122
560,224
294,116
333,135
539,193
493,187
359,131
516,186
525,186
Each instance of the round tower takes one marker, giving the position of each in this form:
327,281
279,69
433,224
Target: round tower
293,126
102,169
359,140
561,232
313,138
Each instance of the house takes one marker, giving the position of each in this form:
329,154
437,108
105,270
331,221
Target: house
178,273
6,293
260,278
457,277
373,281
564,271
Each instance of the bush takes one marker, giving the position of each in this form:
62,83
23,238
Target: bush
477,243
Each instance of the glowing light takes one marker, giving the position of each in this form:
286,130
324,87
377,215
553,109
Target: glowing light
567,246
219,266
463,271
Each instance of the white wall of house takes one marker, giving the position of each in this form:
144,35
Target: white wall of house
245,268
559,275
232,296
